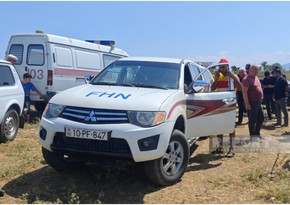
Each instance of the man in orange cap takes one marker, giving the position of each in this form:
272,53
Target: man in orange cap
222,81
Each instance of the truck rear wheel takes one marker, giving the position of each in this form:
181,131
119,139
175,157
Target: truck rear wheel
59,162
9,126
171,166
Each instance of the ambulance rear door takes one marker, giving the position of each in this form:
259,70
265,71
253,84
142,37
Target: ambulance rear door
32,55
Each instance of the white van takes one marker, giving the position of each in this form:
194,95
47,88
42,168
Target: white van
57,63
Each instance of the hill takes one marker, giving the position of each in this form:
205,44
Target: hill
286,66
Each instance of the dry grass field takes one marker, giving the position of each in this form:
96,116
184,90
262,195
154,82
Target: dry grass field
26,178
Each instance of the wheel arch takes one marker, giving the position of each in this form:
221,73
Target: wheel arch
15,107
180,124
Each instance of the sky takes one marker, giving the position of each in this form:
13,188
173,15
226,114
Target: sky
242,32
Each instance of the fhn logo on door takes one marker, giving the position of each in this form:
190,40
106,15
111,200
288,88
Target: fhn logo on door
109,95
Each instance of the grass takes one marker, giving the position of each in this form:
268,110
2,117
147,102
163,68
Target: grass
253,175
279,195
26,178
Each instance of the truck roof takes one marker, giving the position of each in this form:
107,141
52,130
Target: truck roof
4,61
73,42
153,59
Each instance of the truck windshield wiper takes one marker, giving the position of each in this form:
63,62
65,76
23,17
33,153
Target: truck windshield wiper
103,83
126,84
148,86
113,84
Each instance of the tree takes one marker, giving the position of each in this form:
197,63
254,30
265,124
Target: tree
271,67
264,64
278,65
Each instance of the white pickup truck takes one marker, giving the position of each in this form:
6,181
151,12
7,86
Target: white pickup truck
151,110
11,102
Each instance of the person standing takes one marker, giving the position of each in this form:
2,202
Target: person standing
273,77
248,68
268,91
28,86
12,59
222,81
280,96
240,99
253,95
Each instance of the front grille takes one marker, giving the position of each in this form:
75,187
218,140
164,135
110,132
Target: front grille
94,116
113,146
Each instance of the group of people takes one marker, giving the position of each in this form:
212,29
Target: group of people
273,91
28,86
250,94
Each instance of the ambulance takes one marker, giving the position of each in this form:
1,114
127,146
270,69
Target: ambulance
57,63
149,110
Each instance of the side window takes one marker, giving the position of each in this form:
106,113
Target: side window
187,76
35,55
88,60
6,77
195,71
208,77
112,75
17,50
108,59
63,57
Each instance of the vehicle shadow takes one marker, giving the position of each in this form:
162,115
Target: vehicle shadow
203,162
124,182
35,116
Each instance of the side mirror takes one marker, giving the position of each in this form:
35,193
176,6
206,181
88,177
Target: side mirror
88,78
197,86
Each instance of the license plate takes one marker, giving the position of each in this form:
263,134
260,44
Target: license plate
87,134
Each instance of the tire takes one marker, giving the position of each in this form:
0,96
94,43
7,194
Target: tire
39,106
58,162
9,126
169,169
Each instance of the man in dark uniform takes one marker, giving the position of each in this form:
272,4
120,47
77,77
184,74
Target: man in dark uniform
240,99
268,90
280,96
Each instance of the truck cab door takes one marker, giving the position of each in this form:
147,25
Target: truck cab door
209,113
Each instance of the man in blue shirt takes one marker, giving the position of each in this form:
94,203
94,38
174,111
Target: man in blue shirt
28,86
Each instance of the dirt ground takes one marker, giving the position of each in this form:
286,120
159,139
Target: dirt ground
245,178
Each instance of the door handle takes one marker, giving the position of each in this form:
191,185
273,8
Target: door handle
229,100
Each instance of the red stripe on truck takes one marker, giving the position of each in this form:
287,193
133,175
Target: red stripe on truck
73,72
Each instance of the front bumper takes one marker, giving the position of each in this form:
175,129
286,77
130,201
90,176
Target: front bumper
125,140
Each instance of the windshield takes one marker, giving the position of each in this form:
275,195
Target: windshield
140,74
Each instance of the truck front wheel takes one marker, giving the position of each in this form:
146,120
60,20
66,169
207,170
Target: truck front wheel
171,166
59,161
9,126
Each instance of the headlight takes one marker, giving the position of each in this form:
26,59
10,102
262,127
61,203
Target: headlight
146,119
53,110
